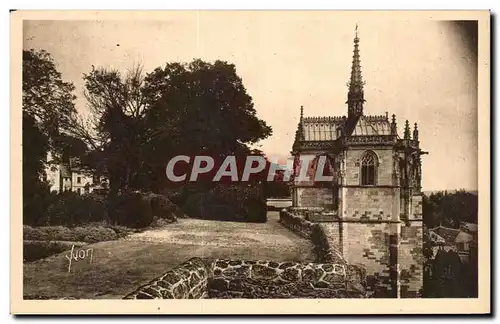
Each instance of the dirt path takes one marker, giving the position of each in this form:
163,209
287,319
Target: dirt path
120,266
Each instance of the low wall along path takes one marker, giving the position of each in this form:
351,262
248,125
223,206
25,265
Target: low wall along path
203,278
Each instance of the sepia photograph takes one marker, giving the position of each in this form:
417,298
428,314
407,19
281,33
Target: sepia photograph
240,158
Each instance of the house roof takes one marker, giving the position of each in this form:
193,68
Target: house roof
469,227
436,238
448,234
463,237
65,171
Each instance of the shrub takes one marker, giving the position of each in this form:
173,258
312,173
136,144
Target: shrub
159,222
121,231
72,209
130,209
243,202
99,234
36,201
30,233
48,233
162,207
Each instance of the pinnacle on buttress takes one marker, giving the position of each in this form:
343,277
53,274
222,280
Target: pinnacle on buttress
355,96
394,128
299,134
407,130
415,133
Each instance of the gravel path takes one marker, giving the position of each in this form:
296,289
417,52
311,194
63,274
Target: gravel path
223,234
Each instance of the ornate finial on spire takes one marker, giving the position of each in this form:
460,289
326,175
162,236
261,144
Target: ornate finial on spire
301,112
407,130
415,133
394,129
355,96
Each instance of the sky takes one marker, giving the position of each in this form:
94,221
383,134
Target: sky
421,70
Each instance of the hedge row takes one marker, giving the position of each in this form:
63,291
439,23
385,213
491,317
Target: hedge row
88,234
129,209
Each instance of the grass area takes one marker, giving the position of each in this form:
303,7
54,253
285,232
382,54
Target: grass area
41,242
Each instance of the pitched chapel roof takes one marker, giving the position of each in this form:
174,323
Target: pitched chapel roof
325,128
321,128
372,125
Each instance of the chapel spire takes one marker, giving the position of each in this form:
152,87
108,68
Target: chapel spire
355,96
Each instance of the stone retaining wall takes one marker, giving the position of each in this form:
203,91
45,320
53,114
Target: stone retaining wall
202,278
186,281
306,212
325,252
298,224
269,279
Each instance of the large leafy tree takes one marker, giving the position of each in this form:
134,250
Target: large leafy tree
199,108
49,113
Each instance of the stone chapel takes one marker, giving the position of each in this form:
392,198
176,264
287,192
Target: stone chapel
373,206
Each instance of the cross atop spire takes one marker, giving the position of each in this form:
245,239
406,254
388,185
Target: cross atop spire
355,96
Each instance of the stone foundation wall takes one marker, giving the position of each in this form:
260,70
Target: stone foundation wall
369,245
410,258
314,197
202,278
410,255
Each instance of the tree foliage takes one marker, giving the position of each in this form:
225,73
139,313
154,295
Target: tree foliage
118,106
183,108
199,108
46,97
450,209
35,191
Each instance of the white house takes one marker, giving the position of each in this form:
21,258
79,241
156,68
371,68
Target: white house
68,177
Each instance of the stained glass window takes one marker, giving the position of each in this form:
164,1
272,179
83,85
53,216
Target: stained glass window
368,169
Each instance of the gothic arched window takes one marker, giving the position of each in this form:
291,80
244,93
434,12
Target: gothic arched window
369,169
